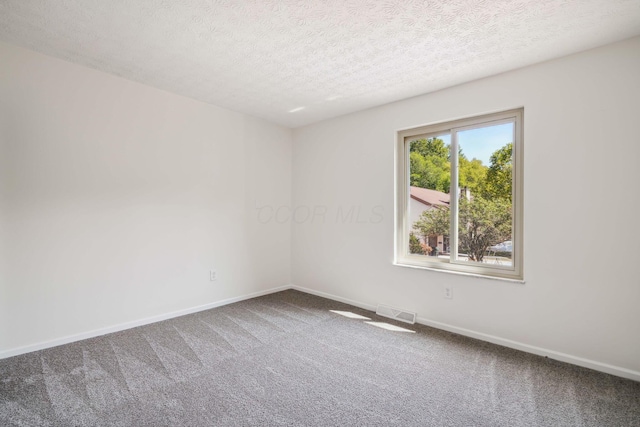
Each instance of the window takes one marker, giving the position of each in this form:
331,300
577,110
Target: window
459,196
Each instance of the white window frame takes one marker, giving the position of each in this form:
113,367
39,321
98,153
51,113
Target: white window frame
403,228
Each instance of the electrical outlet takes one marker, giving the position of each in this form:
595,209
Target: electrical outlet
213,275
448,292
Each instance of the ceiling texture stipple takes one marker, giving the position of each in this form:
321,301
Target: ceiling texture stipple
296,62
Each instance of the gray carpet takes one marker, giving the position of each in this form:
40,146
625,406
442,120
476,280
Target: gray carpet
286,360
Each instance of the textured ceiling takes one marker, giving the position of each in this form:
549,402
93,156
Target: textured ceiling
269,57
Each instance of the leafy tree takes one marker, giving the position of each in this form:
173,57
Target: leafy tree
498,182
420,173
433,222
431,172
429,164
472,174
482,223
430,168
414,244
430,147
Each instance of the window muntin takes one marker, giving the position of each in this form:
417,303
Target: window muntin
459,193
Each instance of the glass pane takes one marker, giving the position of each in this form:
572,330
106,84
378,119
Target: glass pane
485,162
429,181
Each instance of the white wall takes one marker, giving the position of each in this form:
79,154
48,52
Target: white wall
117,200
582,147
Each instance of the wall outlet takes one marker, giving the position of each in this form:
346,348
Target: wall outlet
448,292
213,275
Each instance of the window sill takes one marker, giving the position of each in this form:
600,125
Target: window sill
462,273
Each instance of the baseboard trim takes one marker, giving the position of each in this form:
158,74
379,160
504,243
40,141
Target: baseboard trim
334,298
556,355
128,325
551,354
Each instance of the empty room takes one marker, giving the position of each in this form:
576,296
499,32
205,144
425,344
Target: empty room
319,213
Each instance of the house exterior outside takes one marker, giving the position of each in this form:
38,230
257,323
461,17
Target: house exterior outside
424,199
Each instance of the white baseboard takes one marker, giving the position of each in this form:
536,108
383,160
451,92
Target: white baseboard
563,357
128,325
551,354
334,297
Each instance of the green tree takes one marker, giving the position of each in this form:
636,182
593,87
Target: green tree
472,174
430,147
429,164
414,244
433,222
420,173
499,177
481,223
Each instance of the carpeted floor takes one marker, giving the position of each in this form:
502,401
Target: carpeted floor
287,360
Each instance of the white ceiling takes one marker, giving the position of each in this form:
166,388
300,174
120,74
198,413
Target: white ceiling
269,57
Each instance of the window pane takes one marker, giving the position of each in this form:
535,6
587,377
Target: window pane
429,181
485,226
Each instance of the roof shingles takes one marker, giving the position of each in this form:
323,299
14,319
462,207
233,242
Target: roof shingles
430,197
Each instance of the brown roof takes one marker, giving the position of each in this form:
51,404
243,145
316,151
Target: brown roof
430,197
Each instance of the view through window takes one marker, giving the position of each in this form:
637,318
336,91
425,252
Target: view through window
461,208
